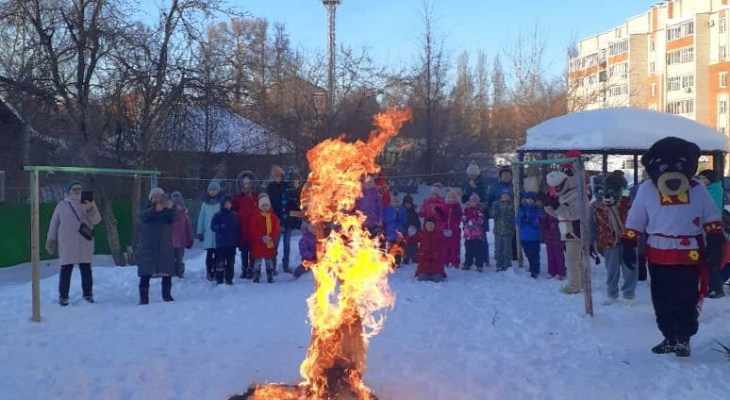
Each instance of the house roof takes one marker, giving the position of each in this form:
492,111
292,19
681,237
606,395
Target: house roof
622,130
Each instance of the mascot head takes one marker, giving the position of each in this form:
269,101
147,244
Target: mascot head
670,163
609,188
561,182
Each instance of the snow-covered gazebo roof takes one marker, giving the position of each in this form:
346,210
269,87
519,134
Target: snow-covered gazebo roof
618,131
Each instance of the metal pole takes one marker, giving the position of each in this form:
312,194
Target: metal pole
585,259
81,170
331,6
34,246
516,188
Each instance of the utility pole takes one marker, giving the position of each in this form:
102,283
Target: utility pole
331,6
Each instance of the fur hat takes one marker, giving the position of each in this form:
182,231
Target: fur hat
214,184
473,169
155,191
264,200
70,185
474,197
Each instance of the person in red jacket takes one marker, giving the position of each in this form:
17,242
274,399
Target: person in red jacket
245,204
264,229
383,188
430,252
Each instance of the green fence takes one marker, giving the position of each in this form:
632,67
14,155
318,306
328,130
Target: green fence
15,230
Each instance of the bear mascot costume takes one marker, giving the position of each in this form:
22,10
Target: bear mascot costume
684,236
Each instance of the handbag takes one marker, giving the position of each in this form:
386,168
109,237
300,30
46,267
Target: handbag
84,230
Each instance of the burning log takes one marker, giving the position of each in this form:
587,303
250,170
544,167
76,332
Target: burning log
350,273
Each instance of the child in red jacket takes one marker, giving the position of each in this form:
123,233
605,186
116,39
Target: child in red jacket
430,253
264,231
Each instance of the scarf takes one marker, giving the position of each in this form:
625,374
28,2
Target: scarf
267,216
614,221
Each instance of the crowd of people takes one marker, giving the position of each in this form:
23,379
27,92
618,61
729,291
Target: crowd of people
431,235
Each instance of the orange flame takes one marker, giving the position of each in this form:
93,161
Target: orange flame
351,273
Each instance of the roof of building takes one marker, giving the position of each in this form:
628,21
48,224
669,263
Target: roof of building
619,129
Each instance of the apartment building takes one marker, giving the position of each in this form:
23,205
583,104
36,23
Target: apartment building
673,57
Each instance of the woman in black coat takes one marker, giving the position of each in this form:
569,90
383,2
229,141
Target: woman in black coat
155,254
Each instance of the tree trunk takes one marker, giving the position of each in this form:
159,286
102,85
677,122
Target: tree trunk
136,196
107,214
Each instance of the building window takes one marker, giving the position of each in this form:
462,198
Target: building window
723,79
652,106
681,107
618,90
652,44
688,81
653,91
619,70
602,76
617,33
618,47
680,31
723,25
722,130
723,52
722,107
652,68
673,84
681,56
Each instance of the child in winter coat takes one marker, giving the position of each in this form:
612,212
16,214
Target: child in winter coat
411,228
307,249
227,228
433,206
503,212
211,204
474,236
394,218
182,233
528,219
430,252
264,229
452,230
292,220
371,205
553,245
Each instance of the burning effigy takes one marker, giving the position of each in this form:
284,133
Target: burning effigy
350,273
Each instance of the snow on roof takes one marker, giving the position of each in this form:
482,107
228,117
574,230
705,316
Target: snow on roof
619,129
231,133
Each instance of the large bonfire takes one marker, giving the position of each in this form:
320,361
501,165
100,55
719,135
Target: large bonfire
351,273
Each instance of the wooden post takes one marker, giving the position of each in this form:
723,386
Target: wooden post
34,245
604,163
585,257
516,188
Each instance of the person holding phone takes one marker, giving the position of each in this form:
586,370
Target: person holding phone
70,234
155,254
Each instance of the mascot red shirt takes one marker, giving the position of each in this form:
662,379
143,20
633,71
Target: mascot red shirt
685,235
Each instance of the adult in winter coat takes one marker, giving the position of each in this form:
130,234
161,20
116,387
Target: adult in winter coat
73,248
528,219
245,204
292,219
711,180
276,189
383,188
430,253
210,205
182,233
155,254
411,228
227,228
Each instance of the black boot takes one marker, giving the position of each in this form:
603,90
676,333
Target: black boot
666,346
166,289
682,349
270,276
285,267
249,273
144,295
257,275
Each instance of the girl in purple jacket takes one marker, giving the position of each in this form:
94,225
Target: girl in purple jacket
307,249
182,233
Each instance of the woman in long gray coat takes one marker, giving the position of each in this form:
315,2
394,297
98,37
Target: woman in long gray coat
155,254
73,248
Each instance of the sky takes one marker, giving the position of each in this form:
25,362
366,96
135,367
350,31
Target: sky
391,29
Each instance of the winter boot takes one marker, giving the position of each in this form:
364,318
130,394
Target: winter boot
257,275
166,289
89,298
285,267
63,301
269,276
144,295
249,273
682,349
666,346
480,269
219,277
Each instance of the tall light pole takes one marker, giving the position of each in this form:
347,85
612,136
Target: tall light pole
331,6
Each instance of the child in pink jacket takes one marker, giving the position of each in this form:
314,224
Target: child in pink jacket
182,233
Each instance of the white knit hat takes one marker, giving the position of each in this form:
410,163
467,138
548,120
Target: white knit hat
473,169
264,200
155,191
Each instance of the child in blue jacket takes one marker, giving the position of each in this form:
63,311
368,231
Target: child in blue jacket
528,219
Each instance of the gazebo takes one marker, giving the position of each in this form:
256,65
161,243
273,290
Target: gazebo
619,131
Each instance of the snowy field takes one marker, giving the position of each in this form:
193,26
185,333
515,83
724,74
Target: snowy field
476,336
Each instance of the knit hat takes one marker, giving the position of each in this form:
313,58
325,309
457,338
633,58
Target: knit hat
155,191
474,197
452,194
177,199
227,199
506,191
530,195
473,169
264,200
435,189
408,199
214,184
70,185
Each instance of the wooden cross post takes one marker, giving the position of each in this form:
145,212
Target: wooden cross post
585,256
35,246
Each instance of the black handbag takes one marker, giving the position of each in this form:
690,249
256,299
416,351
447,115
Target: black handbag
84,230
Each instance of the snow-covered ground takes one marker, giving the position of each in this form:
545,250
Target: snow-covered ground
474,337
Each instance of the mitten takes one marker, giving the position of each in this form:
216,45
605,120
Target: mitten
629,253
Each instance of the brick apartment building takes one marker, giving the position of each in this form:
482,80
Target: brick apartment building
673,57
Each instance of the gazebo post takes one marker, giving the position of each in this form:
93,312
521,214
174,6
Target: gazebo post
604,162
636,169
